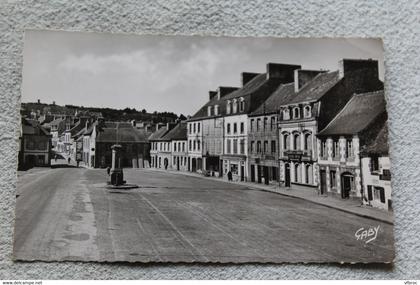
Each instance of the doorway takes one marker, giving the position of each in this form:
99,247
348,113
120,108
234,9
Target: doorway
347,181
252,173
287,175
323,175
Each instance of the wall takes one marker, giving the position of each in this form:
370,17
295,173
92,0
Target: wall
395,21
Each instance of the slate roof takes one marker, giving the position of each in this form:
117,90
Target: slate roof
283,94
120,133
160,133
361,110
258,85
32,127
316,88
379,145
179,132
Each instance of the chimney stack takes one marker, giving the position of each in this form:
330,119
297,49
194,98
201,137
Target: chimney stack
212,94
368,67
283,72
303,76
223,91
247,76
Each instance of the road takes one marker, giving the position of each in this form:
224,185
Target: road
67,214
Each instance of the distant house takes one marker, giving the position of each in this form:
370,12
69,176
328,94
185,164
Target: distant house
160,152
376,175
341,141
35,145
178,144
98,138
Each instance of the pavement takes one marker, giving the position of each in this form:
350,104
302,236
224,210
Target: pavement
311,194
68,214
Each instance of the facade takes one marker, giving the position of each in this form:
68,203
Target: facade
178,145
263,137
195,142
135,151
376,175
35,145
342,140
319,97
255,90
161,148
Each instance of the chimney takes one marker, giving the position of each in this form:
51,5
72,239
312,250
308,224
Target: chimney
283,72
167,126
223,91
368,67
212,94
303,76
247,76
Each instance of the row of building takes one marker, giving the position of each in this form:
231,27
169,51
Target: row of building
313,129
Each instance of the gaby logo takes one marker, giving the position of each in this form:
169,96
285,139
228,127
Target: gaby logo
367,234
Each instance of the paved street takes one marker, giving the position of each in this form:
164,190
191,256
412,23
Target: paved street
67,214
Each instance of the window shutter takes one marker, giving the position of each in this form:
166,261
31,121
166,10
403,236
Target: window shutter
382,193
370,193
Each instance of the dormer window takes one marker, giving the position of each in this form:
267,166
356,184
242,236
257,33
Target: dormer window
296,113
216,110
209,111
307,111
286,114
228,107
235,106
241,105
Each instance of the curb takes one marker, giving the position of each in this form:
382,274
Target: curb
257,187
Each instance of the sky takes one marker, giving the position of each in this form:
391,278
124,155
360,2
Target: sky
163,73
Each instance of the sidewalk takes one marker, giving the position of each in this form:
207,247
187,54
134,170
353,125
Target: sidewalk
301,192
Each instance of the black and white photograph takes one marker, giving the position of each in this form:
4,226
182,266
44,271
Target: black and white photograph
153,148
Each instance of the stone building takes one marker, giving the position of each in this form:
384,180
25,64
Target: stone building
209,120
99,138
35,145
376,175
263,137
340,142
178,144
256,88
319,97
160,147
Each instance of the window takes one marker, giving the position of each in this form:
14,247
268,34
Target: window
258,146
195,145
335,149
235,128
174,146
265,123
235,106
228,146
286,114
190,128
265,146
183,146
198,145
296,141
194,128
252,146
258,124
242,146
379,194
209,111
235,146
333,179
307,142
272,123
216,110
242,128
242,105
228,107
273,146
198,127
285,141
189,145
307,112
308,174
323,151
228,128
374,164
296,113
252,124
349,148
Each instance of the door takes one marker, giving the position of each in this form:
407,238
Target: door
242,173
346,181
287,175
266,179
252,173
177,163
259,173
323,182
